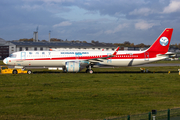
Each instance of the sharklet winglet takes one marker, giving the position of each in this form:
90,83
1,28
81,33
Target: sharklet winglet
115,52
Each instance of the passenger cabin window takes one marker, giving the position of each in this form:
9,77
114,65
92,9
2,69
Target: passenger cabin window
35,48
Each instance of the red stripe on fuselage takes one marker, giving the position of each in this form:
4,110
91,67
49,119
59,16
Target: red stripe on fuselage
118,56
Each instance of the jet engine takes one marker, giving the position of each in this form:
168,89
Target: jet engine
72,66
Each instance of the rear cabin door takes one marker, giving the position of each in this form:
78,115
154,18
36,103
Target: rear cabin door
146,56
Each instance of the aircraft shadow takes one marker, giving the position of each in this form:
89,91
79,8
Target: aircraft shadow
108,72
132,72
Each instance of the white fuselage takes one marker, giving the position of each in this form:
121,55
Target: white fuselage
59,58
75,61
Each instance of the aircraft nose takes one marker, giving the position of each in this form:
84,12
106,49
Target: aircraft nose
5,61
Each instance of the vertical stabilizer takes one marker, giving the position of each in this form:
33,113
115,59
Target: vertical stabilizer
161,45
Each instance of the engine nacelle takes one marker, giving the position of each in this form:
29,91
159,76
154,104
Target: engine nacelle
72,66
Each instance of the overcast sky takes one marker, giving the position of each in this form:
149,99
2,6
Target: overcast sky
110,21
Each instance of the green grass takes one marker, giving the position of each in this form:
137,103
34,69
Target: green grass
162,61
80,96
1,62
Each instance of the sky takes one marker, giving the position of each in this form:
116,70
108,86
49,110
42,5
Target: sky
109,21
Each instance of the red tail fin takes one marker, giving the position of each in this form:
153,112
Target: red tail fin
161,45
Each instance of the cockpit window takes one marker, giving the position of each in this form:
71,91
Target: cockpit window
12,56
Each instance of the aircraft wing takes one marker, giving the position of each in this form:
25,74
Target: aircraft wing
100,59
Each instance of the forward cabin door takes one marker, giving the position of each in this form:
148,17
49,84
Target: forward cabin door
23,55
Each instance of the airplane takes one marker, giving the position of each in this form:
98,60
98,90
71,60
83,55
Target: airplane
75,61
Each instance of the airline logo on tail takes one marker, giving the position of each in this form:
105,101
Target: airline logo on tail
164,41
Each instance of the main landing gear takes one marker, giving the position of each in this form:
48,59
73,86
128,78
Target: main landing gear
89,70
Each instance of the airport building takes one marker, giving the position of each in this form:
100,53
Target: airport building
9,47
46,46
4,49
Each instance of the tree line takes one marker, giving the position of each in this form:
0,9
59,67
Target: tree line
125,44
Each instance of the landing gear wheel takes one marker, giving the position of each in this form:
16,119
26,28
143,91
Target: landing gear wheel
29,72
91,71
14,72
64,71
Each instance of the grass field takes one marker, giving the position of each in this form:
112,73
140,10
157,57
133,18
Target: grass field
158,62
78,96
1,62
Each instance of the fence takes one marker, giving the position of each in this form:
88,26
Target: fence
170,114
